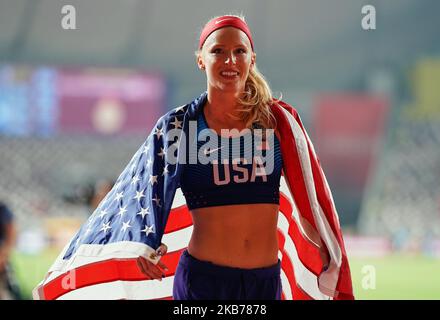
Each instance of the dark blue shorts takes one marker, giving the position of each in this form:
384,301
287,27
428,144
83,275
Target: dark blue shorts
203,280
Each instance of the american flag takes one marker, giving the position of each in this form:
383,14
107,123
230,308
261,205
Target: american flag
146,207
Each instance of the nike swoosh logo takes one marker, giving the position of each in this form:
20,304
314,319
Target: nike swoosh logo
218,21
206,151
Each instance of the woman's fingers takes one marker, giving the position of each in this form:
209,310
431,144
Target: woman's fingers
162,265
162,250
142,267
149,269
152,270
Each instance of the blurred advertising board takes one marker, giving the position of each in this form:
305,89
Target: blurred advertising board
425,79
348,134
367,246
45,101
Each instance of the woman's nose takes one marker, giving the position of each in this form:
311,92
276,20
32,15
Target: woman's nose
230,59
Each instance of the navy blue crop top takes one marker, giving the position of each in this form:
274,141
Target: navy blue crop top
251,177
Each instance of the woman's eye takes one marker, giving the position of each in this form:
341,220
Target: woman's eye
219,50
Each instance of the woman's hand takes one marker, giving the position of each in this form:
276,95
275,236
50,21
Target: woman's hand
150,269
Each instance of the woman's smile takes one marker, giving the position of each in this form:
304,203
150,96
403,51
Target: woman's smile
230,74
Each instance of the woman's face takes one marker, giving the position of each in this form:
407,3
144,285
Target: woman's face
227,57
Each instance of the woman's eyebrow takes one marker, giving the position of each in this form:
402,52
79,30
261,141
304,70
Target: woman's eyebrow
223,45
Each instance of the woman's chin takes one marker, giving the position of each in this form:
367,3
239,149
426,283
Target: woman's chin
233,87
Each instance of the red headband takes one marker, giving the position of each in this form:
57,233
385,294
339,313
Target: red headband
221,22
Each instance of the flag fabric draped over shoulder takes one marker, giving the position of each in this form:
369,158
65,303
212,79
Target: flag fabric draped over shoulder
146,207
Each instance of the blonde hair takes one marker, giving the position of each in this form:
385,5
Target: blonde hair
256,98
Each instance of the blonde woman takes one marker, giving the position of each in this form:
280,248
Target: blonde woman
255,218
234,196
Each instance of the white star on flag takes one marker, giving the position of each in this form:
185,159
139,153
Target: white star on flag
105,227
153,179
144,212
176,123
148,230
165,170
125,226
149,162
122,211
135,179
119,196
161,153
103,213
157,200
139,195
158,132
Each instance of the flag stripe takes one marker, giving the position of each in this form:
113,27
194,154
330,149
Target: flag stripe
176,240
299,239
335,281
287,288
117,290
329,278
104,271
300,275
180,218
93,253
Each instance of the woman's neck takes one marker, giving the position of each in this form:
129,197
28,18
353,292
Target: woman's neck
219,104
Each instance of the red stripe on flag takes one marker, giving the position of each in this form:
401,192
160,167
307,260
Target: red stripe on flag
180,218
344,284
105,271
308,253
287,266
292,169
324,196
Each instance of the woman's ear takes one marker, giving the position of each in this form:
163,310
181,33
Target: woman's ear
253,59
200,63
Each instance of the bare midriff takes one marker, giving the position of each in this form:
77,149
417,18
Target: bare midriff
240,236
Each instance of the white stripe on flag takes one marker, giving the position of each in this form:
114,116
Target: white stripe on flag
178,239
91,253
179,199
287,290
115,290
304,277
311,233
329,278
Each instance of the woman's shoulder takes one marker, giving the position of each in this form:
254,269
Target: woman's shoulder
173,115
180,111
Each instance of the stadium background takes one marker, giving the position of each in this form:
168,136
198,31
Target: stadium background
76,104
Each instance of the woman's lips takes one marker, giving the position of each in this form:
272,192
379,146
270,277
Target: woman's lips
229,74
